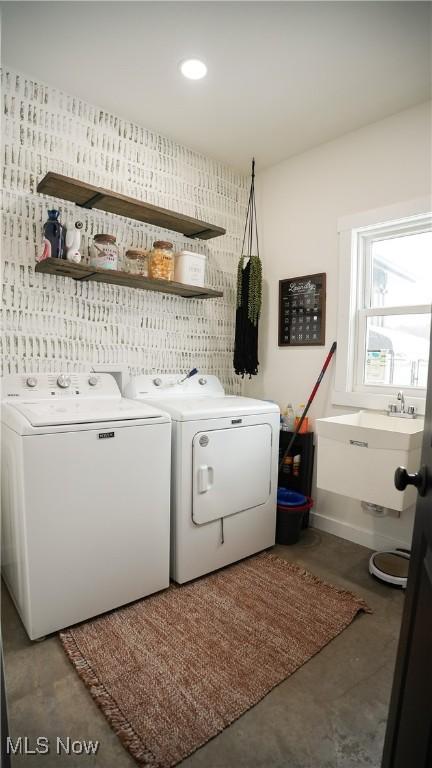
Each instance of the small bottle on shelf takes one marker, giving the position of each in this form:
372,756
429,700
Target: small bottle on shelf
287,466
53,237
296,465
288,418
305,425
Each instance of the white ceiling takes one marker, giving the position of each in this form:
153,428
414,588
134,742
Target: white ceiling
282,76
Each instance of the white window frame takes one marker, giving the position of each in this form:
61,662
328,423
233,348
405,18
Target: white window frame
355,236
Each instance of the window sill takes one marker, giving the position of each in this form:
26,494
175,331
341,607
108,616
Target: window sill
374,402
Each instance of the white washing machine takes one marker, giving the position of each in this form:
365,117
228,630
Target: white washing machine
85,498
224,471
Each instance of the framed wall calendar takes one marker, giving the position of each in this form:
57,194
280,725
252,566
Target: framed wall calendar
302,303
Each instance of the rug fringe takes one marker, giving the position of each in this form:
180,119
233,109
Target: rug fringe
106,703
294,568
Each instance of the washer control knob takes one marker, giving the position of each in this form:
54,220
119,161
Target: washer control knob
93,380
31,381
63,381
157,382
202,380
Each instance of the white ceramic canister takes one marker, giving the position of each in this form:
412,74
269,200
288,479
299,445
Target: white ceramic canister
190,268
104,252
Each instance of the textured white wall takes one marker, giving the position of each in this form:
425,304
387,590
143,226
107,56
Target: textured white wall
53,323
299,204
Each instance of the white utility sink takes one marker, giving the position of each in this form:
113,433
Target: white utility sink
359,452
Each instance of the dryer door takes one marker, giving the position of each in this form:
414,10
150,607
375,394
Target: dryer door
231,471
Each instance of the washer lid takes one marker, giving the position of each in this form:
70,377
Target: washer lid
196,408
48,414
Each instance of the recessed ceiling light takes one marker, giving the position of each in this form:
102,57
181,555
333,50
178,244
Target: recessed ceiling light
193,69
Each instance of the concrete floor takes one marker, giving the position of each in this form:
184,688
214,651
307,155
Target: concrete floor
330,714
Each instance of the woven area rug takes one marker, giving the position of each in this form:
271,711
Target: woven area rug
173,670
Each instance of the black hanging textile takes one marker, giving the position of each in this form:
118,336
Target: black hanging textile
246,335
249,290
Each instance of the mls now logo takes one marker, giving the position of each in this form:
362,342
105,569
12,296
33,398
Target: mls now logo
42,746
23,746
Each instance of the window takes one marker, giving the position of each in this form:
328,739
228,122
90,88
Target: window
384,316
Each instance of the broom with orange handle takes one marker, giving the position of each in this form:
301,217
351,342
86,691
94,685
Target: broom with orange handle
308,404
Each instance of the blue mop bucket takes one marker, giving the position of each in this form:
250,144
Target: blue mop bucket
291,507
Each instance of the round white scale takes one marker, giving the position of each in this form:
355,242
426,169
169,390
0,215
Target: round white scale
391,566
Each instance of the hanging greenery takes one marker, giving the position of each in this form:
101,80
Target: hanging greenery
254,297
249,293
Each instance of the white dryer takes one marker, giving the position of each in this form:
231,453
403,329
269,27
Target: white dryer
224,471
85,498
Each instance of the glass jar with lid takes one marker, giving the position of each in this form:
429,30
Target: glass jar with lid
162,260
104,252
137,262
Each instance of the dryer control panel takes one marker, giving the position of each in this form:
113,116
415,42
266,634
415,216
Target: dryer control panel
41,386
174,385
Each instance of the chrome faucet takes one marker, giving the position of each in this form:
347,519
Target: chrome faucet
402,411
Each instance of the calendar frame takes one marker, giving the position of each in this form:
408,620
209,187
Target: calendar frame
319,279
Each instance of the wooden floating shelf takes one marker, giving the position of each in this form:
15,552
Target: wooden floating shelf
83,272
88,196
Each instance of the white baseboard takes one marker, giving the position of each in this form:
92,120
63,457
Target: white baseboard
370,539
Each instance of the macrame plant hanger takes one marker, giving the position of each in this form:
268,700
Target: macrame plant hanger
249,293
